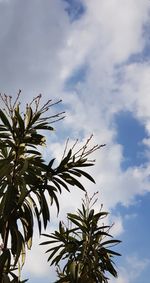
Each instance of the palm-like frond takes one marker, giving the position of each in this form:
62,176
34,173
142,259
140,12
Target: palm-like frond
86,247
26,178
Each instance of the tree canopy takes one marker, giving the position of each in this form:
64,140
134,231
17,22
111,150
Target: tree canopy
83,247
26,178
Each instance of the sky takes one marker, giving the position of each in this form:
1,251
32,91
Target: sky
95,56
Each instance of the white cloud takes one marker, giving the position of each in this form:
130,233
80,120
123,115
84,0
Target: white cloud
30,43
93,104
36,264
118,27
109,33
146,142
132,269
131,216
117,228
40,48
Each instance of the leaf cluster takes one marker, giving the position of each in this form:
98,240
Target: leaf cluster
84,247
26,179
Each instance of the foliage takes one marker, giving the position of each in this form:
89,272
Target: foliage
25,178
83,246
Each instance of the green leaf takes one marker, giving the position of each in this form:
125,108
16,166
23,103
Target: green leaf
108,251
110,242
50,164
36,213
56,183
58,258
85,174
29,115
5,259
5,120
3,128
9,203
58,180
20,245
43,126
52,195
35,152
83,164
74,216
4,135
19,119
6,278
72,181
64,161
35,117
79,225
56,249
24,167
44,209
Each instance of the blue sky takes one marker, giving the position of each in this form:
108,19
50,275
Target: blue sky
130,133
95,56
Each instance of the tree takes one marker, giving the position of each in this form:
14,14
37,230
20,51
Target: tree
26,179
83,247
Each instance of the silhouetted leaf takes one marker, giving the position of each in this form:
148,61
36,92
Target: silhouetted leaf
5,120
88,176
